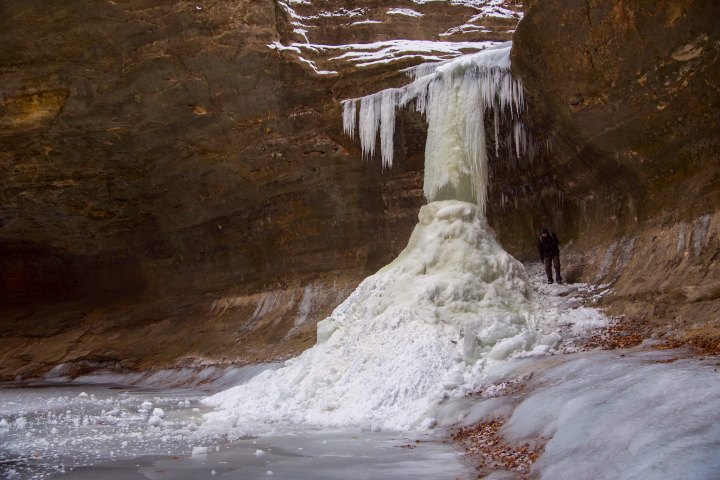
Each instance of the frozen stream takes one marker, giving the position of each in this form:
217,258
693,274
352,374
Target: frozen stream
105,431
621,414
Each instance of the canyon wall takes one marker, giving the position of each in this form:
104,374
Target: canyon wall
177,188
628,95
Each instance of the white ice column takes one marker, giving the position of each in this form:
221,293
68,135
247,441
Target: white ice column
454,96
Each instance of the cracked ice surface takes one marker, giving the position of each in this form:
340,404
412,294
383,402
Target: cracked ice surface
52,428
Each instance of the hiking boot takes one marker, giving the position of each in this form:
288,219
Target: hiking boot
550,280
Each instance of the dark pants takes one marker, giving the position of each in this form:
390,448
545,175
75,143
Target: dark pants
549,262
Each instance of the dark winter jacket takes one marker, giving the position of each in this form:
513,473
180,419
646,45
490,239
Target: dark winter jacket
548,246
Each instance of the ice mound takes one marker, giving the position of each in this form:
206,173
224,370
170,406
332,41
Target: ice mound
418,331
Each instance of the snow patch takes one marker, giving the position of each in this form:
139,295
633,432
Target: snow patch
408,12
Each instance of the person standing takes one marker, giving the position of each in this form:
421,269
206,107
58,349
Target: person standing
549,248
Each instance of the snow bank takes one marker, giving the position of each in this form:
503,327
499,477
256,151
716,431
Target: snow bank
418,331
624,416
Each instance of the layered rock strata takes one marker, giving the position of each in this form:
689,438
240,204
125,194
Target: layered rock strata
176,185
627,94
177,188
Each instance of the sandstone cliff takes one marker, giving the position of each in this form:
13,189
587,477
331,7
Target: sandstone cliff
176,184
627,93
177,188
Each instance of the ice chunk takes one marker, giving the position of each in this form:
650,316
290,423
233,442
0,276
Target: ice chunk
20,423
199,451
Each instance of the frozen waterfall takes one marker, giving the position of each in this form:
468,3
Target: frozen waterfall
454,97
423,328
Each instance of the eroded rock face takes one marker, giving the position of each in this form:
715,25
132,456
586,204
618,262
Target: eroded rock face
176,190
627,93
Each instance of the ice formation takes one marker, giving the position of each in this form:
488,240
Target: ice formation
621,416
423,328
418,331
454,96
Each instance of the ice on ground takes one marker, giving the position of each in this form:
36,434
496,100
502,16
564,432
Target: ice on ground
50,427
606,415
564,308
416,332
202,377
621,416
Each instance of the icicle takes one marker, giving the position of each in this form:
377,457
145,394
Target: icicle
369,123
388,104
520,137
349,117
496,124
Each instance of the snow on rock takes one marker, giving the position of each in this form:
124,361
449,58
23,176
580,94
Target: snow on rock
408,12
491,8
418,331
375,53
491,19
